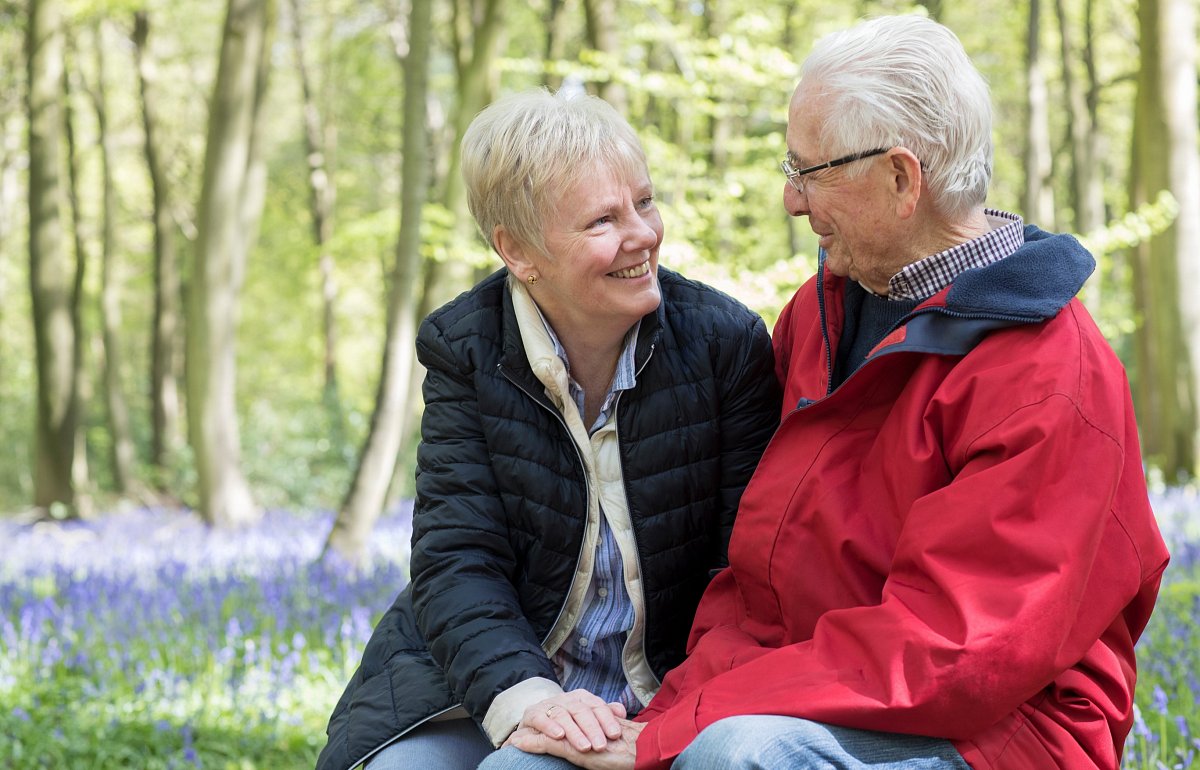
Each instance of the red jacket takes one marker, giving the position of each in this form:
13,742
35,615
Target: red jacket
955,542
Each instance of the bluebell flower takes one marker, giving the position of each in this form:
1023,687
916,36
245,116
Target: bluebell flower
1159,700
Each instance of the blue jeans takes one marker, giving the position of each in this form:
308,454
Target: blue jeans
781,743
775,743
455,744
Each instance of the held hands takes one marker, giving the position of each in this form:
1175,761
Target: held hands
578,719
619,753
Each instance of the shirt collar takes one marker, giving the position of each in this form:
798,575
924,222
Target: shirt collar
926,277
623,379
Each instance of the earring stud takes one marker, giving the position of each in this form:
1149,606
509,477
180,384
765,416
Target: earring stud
531,280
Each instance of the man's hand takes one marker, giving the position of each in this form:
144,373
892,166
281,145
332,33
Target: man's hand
618,755
579,718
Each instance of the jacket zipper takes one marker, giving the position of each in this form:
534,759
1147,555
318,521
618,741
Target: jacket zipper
641,564
561,610
824,324
587,484
888,350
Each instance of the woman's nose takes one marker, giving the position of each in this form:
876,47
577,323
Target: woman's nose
640,235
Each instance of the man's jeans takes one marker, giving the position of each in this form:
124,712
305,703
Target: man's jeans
781,743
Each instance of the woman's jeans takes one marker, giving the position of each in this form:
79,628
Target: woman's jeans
455,744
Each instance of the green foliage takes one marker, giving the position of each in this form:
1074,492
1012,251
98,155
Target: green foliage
1134,227
706,88
57,723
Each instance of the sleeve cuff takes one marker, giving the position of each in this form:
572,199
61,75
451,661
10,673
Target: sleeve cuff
504,714
666,735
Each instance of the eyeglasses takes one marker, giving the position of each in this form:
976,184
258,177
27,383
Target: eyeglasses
795,175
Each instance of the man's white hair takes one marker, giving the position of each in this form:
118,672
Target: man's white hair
906,81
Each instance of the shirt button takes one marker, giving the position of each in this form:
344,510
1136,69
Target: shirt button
583,642
603,592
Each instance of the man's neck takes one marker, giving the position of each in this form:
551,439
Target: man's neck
942,235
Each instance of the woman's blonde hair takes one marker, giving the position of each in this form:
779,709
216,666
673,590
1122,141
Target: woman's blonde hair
521,153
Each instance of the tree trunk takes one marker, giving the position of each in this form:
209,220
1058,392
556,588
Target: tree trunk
165,358
50,269
322,193
84,342
555,40
1087,216
1039,195
1177,22
1162,380
1086,201
1093,195
110,293
365,499
230,203
602,36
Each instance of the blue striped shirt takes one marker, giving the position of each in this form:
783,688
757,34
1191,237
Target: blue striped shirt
591,658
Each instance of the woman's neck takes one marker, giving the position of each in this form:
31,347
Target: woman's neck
593,365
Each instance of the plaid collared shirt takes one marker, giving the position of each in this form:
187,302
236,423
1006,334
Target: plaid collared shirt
926,277
591,658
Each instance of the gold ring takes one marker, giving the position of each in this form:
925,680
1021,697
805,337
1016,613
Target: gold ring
550,711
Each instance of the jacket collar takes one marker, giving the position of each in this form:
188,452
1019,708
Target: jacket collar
1034,282
1030,285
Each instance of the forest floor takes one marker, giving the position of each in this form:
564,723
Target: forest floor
144,640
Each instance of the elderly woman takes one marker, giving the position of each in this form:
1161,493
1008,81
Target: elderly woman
590,423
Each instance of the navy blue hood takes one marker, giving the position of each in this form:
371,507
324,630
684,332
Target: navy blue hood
1033,283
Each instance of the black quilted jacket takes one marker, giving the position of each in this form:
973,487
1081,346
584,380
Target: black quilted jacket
502,498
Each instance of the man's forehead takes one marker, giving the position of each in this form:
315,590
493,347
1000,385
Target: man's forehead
801,135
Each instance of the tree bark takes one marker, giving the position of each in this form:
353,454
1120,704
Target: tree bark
555,39
165,355
50,269
110,292
602,36
1162,380
230,203
1177,22
365,499
1039,195
1086,205
84,341
1086,194
322,194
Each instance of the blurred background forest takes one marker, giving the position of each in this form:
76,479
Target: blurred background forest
220,222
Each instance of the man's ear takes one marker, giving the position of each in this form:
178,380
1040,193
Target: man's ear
514,253
907,178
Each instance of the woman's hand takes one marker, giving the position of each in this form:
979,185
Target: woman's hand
620,753
579,718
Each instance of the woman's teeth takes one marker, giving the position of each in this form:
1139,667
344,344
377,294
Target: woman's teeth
632,272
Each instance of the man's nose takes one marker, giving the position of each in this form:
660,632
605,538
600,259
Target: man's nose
794,201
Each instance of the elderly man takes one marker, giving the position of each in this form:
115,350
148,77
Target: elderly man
946,553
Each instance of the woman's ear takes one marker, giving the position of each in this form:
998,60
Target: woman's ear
907,177
514,253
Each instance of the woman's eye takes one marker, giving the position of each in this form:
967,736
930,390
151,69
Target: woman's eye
646,202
